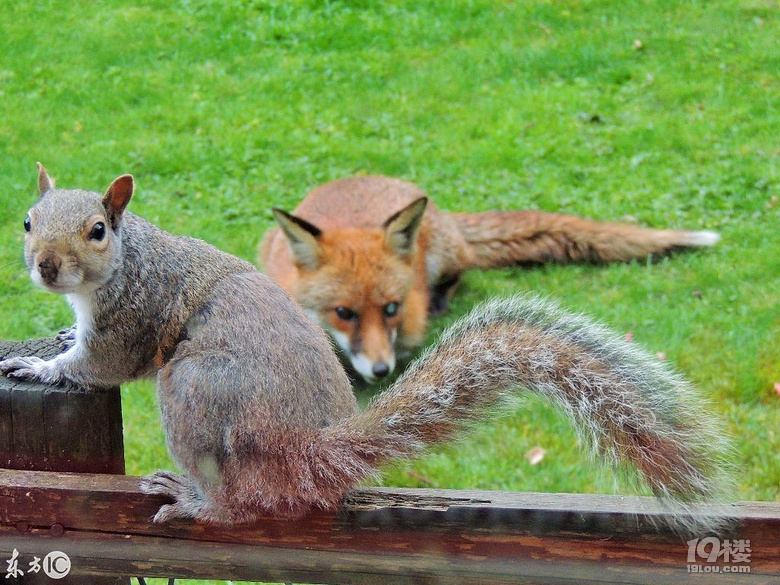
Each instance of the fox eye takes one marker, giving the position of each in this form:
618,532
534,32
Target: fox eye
98,232
345,313
27,223
391,309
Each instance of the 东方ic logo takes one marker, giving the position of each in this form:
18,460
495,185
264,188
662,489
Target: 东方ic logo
56,564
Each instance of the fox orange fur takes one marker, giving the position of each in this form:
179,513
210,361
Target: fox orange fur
370,257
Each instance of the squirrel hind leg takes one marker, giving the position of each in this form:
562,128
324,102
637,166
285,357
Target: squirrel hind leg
189,501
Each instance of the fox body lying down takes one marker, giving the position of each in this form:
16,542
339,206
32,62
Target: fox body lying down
370,257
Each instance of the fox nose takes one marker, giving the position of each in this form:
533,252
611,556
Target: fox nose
49,270
380,370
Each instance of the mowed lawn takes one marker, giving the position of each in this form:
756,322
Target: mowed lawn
660,113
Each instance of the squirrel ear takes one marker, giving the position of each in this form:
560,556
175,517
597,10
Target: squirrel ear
302,237
117,197
402,228
45,182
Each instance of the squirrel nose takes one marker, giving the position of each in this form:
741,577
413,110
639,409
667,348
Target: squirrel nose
49,269
380,370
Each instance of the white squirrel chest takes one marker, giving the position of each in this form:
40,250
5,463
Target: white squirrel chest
82,308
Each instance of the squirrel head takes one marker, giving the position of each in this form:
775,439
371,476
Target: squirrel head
73,238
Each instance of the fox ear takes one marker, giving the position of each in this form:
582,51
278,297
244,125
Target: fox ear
402,228
117,197
302,237
45,182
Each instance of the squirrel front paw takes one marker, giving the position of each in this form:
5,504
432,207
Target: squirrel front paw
66,338
30,369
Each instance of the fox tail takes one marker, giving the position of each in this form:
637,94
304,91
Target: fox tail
509,238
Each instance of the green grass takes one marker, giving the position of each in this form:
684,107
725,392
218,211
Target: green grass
224,110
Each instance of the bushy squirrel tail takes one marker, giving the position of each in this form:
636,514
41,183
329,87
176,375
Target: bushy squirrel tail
509,238
629,408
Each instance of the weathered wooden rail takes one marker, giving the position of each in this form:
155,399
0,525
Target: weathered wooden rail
382,536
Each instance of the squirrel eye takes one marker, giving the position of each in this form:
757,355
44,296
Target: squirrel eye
391,309
27,223
98,231
345,313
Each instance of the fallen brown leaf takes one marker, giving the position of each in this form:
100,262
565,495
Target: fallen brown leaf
535,455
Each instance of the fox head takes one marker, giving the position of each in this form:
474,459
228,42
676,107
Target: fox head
354,283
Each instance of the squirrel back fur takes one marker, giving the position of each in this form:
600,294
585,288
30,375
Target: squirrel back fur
256,408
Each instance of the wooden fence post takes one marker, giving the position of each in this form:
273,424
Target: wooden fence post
49,428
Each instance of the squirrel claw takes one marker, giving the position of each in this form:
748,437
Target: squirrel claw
188,503
168,512
162,483
66,338
23,368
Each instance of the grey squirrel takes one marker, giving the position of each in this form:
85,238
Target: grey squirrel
257,410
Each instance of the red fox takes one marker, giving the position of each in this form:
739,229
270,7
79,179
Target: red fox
370,257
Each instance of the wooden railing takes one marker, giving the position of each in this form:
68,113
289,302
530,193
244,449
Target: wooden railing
382,536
